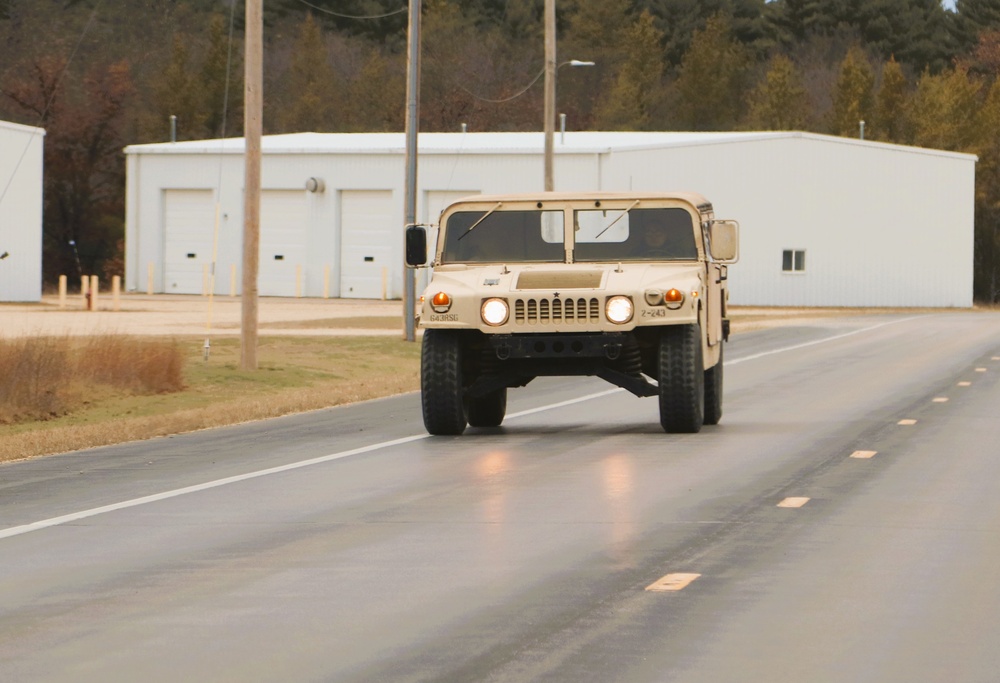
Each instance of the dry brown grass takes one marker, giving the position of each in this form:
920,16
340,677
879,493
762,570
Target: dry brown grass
296,374
122,429
42,378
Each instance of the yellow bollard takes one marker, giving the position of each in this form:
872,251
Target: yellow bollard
93,292
385,282
116,290
62,292
326,282
298,282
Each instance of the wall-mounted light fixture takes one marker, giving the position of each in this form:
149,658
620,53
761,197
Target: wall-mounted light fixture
316,185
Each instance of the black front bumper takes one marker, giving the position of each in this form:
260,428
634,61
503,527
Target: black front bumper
534,346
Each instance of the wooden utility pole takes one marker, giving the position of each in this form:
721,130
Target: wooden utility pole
550,90
253,96
412,126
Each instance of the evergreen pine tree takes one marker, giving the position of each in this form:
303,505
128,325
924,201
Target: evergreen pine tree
889,123
631,102
710,88
309,82
779,102
853,100
214,77
943,112
179,94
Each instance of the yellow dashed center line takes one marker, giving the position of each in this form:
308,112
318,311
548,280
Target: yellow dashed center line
863,454
940,399
907,422
672,582
980,369
965,384
793,502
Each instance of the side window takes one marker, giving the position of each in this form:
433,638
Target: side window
793,261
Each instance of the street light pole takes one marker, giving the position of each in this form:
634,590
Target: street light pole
550,90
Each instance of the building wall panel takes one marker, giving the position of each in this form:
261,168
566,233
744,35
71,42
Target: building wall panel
881,225
21,149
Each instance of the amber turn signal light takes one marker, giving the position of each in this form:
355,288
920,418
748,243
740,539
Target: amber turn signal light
441,302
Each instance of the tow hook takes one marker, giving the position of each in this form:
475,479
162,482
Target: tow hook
503,351
612,351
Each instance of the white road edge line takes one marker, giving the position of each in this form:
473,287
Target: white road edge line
819,341
93,512
166,495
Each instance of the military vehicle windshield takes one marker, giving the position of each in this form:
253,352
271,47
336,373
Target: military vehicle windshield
634,234
504,237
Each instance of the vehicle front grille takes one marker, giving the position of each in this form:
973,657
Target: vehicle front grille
532,311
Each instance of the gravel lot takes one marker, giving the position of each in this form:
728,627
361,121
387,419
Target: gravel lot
171,315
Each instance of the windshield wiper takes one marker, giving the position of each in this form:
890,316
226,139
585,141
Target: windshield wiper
485,216
624,213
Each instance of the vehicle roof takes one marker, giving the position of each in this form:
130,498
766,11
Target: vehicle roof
695,199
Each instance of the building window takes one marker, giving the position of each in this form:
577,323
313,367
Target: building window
793,261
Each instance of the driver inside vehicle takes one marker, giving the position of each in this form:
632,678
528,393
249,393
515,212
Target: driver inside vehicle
660,240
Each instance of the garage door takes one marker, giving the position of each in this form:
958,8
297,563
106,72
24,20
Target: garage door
367,237
188,231
284,216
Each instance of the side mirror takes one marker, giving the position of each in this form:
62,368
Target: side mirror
724,241
416,246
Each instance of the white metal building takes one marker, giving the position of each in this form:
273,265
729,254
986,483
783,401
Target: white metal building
21,212
825,221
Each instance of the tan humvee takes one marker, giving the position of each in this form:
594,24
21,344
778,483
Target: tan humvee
628,287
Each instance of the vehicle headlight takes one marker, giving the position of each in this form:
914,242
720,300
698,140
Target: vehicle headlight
495,311
619,309
441,302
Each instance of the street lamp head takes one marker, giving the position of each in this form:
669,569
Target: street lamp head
577,62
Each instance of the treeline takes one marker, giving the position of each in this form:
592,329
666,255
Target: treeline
102,74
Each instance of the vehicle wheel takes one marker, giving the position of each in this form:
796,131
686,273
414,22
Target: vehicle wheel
682,379
441,382
488,410
713,392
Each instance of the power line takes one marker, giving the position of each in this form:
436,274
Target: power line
348,16
505,99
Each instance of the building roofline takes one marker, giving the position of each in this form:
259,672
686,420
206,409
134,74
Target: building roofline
10,125
576,142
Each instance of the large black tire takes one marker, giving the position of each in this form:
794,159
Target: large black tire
682,379
488,410
713,392
441,382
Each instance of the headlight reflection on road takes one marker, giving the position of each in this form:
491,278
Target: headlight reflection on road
618,480
491,470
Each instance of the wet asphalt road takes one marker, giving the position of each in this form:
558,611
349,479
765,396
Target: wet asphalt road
347,545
